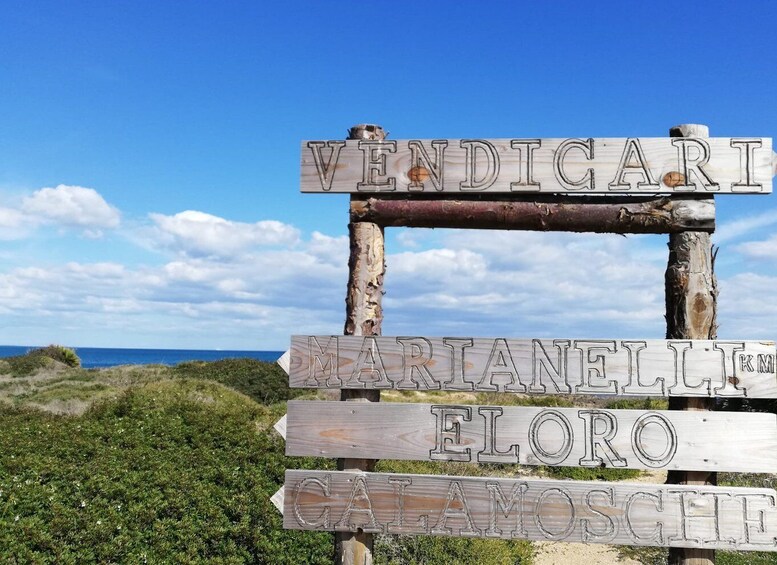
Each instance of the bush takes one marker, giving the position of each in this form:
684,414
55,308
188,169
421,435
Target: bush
27,364
265,382
58,353
174,472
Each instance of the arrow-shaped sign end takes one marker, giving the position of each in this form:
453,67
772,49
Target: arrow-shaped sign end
277,500
284,361
280,427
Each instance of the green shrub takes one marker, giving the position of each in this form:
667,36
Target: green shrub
639,404
175,472
30,362
422,550
27,364
265,382
58,353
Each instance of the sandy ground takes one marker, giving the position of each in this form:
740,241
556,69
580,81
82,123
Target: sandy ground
559,553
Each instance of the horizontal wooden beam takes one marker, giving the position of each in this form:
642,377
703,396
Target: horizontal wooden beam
602,367
634,439
613,513
570,214
550,166
541,213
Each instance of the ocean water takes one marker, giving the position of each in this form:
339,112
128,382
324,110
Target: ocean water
92,357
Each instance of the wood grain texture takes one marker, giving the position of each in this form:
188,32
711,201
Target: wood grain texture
701,368
590,512
363,317
636,439
691,312
580,166
541,212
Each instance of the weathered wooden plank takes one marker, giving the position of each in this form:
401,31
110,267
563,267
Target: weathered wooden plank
590,512
703,368
583,166
541,212
635,439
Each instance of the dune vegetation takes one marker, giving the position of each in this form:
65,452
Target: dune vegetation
158,464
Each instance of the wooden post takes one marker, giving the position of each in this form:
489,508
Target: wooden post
691,296
363,316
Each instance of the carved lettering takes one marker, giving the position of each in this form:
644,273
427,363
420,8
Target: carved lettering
593,367
375,166
416,355
448,437
589,534
655,460
656,535
323,363
599,438
322,520
360,495
420,160
634,165
747,165
491,454
497,501
755,525
563,498
585,183
694,176
369,364
635,384
548,456
477,179
326,172
456,507
766,364
728,352
500,364
697,508
457,347
541,362
526,149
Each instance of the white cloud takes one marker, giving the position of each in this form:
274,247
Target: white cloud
766,249
71,206
741,226
528,283
198,234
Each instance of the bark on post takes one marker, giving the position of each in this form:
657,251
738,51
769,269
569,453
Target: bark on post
691,297
607,214
363,316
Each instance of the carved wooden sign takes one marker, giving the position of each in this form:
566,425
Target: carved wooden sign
635,439
613,513
585,166
536,366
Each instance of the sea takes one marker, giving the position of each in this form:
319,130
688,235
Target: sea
95,357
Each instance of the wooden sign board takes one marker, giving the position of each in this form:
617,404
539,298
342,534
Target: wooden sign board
582,166
536,366
635,439
589,512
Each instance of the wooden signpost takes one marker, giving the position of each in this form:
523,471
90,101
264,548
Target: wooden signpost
610,166
633,439
704,368
590,512
541,184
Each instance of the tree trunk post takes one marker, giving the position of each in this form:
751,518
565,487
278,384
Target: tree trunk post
691,297
363,317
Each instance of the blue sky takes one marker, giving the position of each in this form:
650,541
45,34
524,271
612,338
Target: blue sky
149,163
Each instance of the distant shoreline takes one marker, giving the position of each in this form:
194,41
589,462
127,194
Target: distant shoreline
101,357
